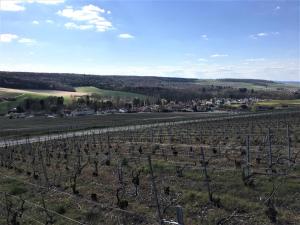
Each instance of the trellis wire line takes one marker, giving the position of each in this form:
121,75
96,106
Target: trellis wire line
49,210
31,218
75,197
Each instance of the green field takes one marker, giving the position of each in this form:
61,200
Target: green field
109,93
6,105
5,94
20,95
267,87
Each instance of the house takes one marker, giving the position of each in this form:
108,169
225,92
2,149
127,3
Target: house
145,109
13,115
123,111
82,112
186,110
67,112
13,110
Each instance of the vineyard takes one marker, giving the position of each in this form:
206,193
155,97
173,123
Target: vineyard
232,170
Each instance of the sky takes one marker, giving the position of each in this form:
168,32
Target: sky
191,39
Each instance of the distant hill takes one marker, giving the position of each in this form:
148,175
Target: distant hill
249,81
158,87
254,81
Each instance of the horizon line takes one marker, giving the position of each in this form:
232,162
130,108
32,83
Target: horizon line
156,76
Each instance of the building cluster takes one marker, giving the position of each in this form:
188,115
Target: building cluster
206,105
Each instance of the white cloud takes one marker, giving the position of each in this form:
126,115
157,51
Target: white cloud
275,33
108,12
255,69
50,21
277,8
202,60
78,27
88,15
48,2
255,60
8,37
204,37
11,5
268,69
218,55
13,37
126,36
35,22
263,34
27,41
279,69
18,5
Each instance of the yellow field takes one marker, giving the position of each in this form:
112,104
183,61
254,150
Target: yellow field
7,91
294,102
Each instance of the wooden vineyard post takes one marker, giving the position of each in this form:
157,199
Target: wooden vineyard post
179,215
246,169
270,149
152,139
41,159
248,157
160,134
289,144
248,150
187,135
170,135
155,191
207,179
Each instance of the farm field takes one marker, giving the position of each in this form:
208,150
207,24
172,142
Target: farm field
109,93
41,125
234,170
20,95
273,86
294,102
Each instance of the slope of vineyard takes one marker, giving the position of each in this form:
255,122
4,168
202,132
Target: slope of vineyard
233,170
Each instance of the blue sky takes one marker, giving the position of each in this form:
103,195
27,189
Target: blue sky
199,39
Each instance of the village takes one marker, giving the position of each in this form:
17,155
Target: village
161,106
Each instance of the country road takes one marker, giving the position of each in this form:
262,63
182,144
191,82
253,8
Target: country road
50,137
